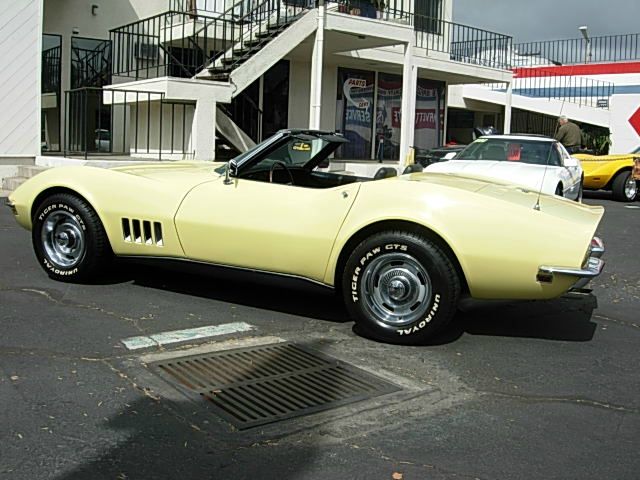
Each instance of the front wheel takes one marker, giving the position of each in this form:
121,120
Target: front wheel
400,287
624,187
69,239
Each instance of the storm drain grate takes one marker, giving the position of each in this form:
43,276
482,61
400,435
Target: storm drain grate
265,384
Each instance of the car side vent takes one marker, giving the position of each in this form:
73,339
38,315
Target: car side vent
144,232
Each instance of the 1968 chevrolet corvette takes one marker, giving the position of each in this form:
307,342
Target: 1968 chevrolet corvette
401,251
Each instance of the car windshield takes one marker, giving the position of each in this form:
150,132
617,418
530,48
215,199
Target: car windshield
637,150
298,151
511,150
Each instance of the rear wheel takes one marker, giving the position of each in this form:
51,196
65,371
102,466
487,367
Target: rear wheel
69,239
400,287
624,187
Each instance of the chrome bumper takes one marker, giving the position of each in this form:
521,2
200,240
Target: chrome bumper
592,267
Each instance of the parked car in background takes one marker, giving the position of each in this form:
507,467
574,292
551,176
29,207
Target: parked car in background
401,251
611,172
438,154
535,162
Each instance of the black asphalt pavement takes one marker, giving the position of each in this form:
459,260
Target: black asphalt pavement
512,390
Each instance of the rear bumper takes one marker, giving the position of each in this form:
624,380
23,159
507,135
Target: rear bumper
592,267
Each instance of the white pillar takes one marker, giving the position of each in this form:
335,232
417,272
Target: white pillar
315,90
408,110
507,108
203,132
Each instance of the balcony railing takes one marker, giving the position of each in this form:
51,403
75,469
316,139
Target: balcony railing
547,84
102,121
462,43
181,44
612,48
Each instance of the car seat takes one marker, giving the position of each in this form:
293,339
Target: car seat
385,172
493,152
413,168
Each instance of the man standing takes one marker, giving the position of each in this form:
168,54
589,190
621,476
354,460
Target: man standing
569,134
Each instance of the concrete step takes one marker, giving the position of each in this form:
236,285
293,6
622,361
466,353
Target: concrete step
29,171
11,183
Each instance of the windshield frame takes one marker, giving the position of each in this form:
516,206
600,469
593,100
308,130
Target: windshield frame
247,160
550,155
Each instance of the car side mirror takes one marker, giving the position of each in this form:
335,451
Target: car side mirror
571,162
230,170
449,156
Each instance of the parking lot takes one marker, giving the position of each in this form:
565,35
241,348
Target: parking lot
511,390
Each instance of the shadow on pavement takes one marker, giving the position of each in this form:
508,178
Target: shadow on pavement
171,437
280,294
563,319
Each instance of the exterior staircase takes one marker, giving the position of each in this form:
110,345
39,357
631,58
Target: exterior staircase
215,47
22,174
245,49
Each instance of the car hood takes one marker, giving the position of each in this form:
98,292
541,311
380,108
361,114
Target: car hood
524,174
185,174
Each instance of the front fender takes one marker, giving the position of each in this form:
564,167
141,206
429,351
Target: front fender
113,195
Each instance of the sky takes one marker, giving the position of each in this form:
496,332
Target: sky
536,20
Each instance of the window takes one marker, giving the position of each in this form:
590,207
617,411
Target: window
512,150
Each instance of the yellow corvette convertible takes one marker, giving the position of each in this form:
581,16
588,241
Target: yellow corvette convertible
401,251
611,172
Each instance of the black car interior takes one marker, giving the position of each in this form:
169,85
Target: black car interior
292,161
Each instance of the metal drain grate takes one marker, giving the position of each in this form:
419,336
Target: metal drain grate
264,384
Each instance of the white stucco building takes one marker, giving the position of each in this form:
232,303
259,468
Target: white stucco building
180,79
171,79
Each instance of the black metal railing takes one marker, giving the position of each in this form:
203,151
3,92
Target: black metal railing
611,48
181,44
103,121
91,67
51,69
463,43
390,10
547,84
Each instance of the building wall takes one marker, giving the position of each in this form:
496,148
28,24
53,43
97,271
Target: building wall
299,85
20,49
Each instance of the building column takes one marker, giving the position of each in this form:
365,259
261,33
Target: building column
507,108
315,90
203,133
408,109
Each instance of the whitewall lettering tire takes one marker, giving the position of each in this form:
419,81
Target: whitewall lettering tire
400,287
69,239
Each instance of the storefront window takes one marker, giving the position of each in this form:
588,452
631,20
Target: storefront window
428,120
354,113
354,119
429,114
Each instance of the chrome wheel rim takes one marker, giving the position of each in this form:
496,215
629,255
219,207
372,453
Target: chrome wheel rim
63,239
397,289
631,188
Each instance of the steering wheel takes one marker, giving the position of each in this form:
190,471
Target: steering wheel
283,165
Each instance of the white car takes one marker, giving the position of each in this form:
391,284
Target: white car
535,162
